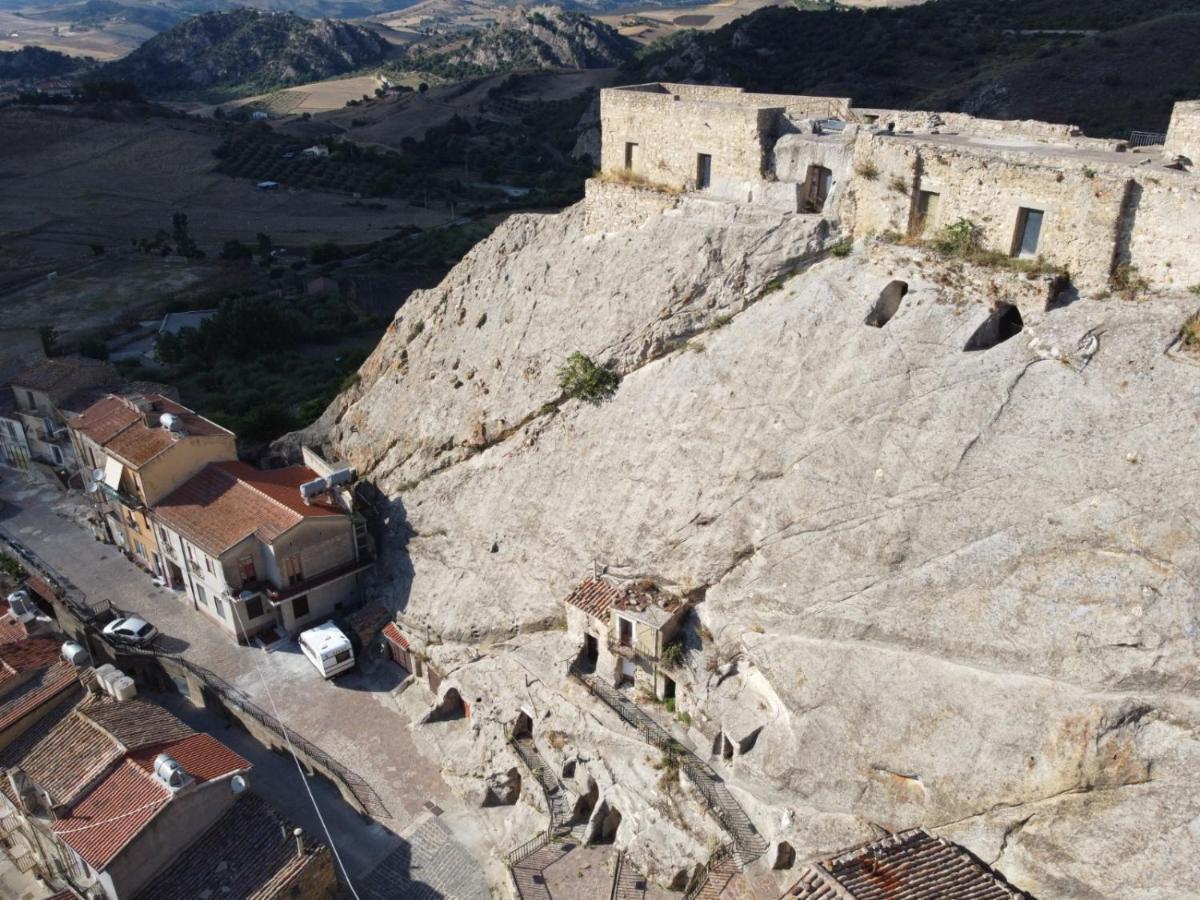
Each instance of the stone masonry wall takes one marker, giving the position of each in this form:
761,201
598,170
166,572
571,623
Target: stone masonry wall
670,133
1164,225
1083,206
616,207
1183,134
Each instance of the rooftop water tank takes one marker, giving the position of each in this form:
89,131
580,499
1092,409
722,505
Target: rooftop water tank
22,608
123,687
170,772
76,654
105,674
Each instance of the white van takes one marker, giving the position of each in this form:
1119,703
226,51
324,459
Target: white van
328,649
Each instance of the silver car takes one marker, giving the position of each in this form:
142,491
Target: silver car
131,629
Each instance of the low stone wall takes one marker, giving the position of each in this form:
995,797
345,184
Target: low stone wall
1164,221
612,206
1183,134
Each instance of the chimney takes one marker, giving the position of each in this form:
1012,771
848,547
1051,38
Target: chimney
298,833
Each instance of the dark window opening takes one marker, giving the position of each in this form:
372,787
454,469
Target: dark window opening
254,608
785,856
1003,323
300,606
631,155
816,188
1029,233
624,632
703,170
887,305
591,650
523,726
746,744
726,748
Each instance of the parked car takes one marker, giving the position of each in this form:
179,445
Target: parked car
328,649
131,630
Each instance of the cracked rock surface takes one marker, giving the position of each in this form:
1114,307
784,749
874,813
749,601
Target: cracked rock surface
966,583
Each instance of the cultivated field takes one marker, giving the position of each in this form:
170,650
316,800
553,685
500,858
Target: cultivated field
57,33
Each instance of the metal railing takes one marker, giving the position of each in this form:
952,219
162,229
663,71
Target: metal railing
748,843
88,616
553,792
1146,138
530,847
722,853
616,882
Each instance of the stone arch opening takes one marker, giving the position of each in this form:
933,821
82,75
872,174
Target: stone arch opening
523,725
585,805
1003,323
608,820
726,748
887,305
746,744
451,707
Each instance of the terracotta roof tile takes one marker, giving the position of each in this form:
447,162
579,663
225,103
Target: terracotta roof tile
135,722
201,755
64,375
393,634
910,865
21,657
134,435
595,597
113,814
69,758
29,695
248,853
227,502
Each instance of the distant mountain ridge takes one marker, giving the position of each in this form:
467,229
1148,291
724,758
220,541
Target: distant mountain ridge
541,37
36,62
246,51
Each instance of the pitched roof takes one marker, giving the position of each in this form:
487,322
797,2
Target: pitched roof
132,432
112,815
201,755
224,503
248,853
135,722
595,596
64,375
29,695
19,658
910,865
69,758
394,635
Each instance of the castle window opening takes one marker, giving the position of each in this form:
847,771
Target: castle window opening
668,691
887,305
703,170
816,188
1003,323
1028,234
925,212
631,156
624,632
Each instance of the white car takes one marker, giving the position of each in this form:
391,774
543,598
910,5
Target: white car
131,629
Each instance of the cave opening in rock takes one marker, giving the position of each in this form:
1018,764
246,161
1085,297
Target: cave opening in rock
451,707
522,726
887,305
608,820
586,803
1003,323
746,744
726,747
785,856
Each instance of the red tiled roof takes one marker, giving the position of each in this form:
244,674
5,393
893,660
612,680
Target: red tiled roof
11,631
113,814
135,722
227,502
392,633
22,657
41,587
201,755
595,596
69,758
914,865
29,695
133,435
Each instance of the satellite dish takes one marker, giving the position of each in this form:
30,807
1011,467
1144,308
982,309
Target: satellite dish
97,474
238,785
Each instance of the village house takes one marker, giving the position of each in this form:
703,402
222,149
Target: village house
19,349
625,631
911,863
264,551
46,394
1033,190
114,797
137,449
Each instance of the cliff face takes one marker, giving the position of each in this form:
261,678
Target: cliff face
962,585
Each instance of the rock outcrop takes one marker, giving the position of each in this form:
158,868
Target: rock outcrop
960,587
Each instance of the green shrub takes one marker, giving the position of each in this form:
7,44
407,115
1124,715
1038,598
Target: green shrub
962,239
1191,331
1126,281
582,379
11,567
842,248
867,170
672,655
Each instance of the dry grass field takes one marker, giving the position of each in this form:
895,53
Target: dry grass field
111,42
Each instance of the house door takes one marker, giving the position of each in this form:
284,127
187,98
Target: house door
174,575
1029,232
627,670
703,170
591,649
632,156
816,190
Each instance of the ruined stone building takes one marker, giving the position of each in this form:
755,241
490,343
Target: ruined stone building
1036,190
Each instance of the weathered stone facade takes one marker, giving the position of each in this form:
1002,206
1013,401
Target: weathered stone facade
1037,190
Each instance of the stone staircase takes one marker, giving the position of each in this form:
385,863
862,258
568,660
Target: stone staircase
558,799
628,883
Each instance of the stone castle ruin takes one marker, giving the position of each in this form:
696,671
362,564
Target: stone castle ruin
1035,190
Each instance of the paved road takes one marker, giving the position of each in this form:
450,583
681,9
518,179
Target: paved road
355,718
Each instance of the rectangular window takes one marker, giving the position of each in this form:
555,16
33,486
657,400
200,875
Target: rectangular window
254,608
29,401
703,170
293,571
631,156
246,568
218,605
200,594
140,548
208,564
624,632
1029,233
925,212
300,606
817,182
187,549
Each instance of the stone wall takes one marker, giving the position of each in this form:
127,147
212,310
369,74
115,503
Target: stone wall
1183,134
612,206
1163,222
670,133
961,123
1082,205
